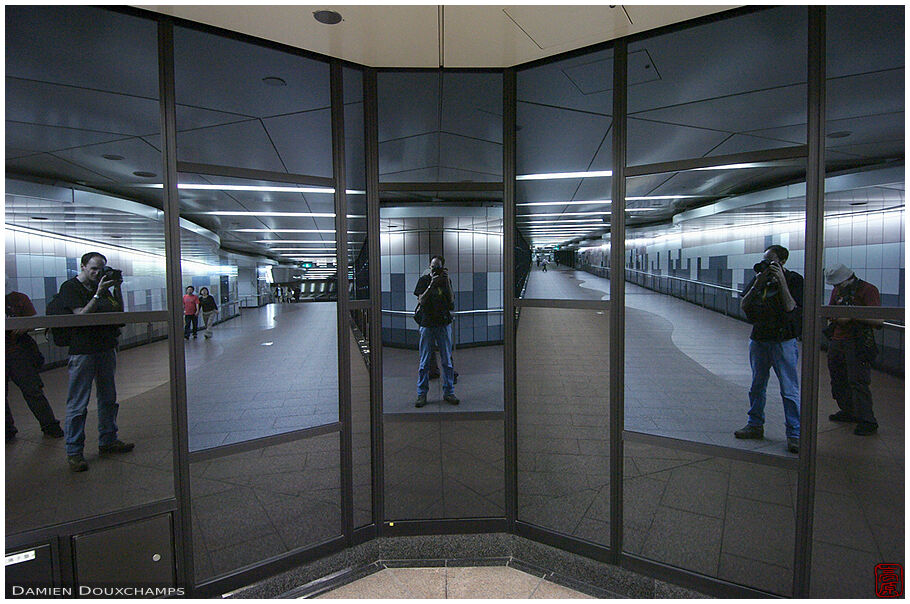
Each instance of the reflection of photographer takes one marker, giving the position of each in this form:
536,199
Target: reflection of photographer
851,350
434,315
92,358
773,303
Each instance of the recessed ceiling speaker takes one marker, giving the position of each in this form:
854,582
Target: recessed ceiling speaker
112,156
841,134
143,174
327,17
274,81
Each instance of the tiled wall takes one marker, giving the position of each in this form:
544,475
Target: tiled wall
37,265
472,247
872,244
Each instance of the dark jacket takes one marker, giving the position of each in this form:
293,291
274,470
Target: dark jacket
770,322
437,305
94,338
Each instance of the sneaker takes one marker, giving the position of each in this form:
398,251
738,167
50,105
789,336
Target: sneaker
451,399
792,444
421,401
77,463
842,416
53,431
118,446
865,428
750,432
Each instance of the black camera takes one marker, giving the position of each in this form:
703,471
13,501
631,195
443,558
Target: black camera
762,266
436,270
112,274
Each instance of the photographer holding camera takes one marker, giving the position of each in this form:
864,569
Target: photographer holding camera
92,358
434,315
773,303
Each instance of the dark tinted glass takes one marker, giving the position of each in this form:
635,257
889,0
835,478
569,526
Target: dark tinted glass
564,163
440,127
262,503
563,394
240,104
732,86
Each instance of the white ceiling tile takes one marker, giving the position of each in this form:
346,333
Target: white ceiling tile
560,26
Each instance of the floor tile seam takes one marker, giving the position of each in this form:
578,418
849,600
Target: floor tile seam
723,524
855,549
775,565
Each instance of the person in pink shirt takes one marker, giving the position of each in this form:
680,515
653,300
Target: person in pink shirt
190,312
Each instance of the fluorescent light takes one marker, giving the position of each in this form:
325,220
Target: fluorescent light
283,230
254,188
278,214
559,175
281,241
564,203
571,214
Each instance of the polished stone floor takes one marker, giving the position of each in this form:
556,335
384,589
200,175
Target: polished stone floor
483,582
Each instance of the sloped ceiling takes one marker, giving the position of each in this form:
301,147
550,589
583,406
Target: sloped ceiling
440,36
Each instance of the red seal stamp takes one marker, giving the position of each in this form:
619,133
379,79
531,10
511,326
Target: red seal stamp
889,580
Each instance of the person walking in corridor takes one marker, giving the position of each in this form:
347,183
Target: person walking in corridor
190,312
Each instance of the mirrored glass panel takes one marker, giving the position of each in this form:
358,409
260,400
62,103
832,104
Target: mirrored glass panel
240,104
859,514
563,394
361,422
724,336
355,174
40,488
440,126
719,517
442,378
564,167
82,99
262,503
259,327
719,88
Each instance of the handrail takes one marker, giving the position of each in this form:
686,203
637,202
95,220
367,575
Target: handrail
457,312
712,285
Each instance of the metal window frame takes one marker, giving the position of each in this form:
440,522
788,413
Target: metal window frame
181,505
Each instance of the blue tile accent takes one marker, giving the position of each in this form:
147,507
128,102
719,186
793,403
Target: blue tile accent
50,287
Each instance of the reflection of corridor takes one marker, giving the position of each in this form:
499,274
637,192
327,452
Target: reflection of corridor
686,376
274,369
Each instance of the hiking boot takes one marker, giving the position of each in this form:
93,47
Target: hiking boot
53,431
451,399
118,446
792,444
842,416
421,400
77,463
750,432
865,428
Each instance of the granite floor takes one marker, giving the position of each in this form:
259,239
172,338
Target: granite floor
483,582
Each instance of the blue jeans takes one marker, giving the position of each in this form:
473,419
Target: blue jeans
783,357
85,369
442,336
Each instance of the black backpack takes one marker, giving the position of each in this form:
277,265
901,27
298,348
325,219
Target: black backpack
59,335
